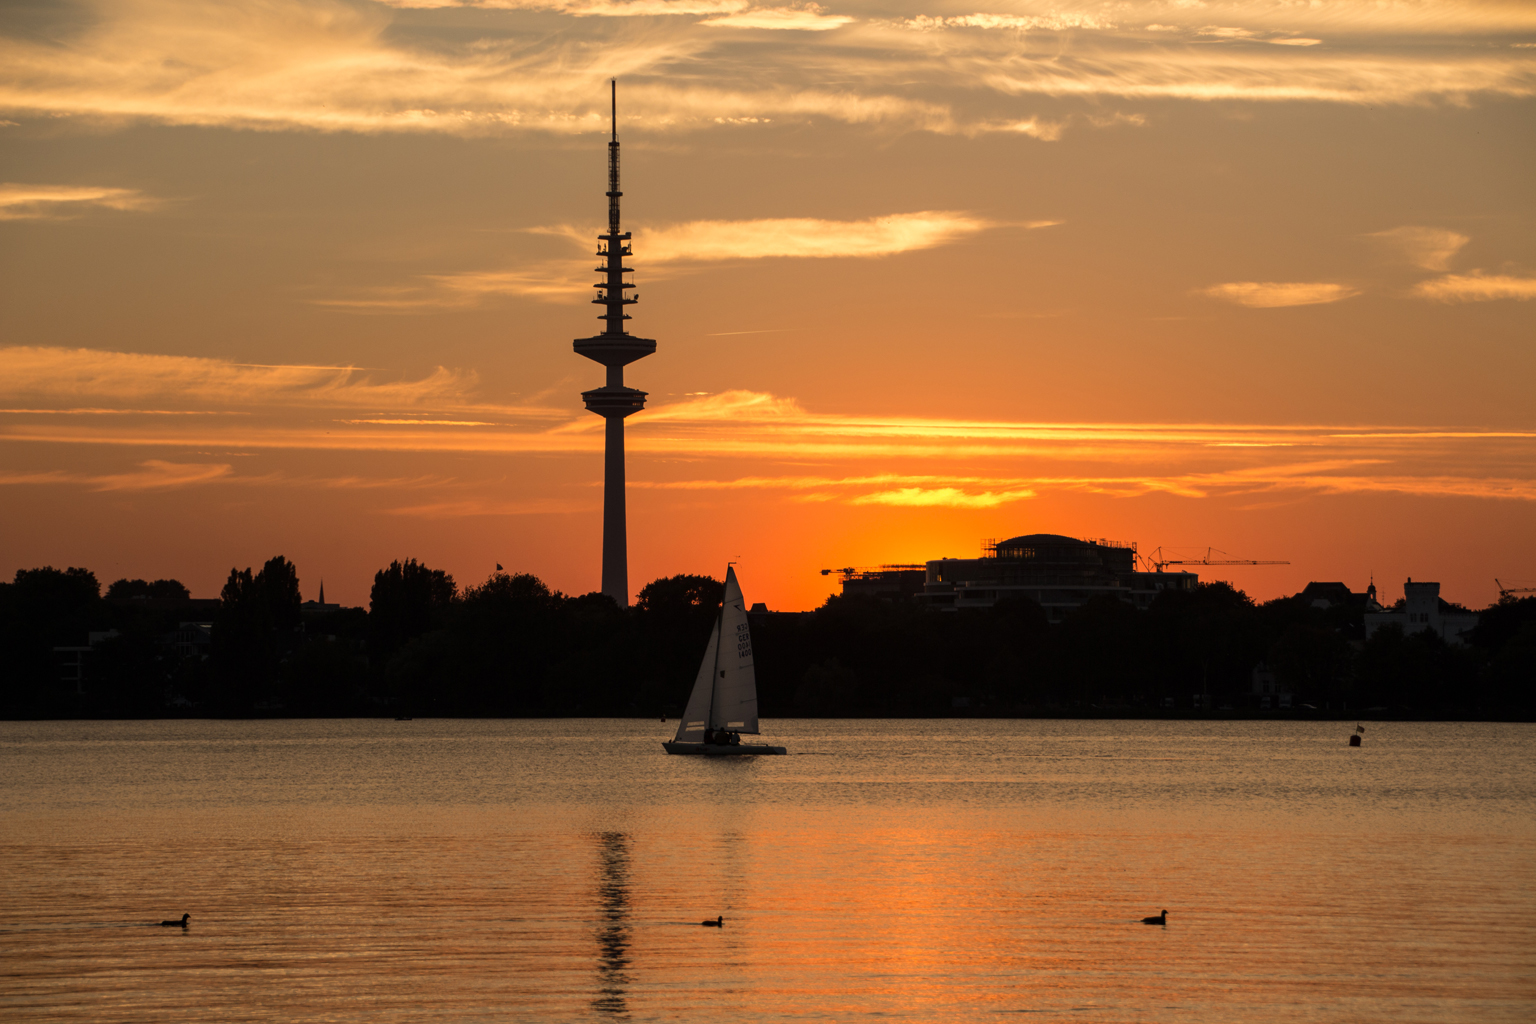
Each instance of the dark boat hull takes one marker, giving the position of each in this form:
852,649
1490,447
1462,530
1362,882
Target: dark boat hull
673,747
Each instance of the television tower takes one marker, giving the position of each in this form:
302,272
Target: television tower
613,401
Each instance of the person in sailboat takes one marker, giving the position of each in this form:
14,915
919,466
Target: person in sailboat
723,703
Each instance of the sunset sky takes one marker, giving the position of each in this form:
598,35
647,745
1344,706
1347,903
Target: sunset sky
303,278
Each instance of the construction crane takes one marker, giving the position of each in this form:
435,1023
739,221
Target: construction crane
1157,561
1512,591
850,571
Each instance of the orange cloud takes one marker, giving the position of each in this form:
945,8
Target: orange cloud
1427,248
64,396
44,376
157,474
153,474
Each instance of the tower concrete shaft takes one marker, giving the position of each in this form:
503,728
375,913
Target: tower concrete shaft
614,348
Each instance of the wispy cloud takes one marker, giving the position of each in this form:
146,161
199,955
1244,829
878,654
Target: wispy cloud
586,8
276,64
152,475
1038,127
1339,477
47,202
1476,287
677,244
157,474
709,240
550,280
473,507
1427,248
806,18
810,237
1270,294
312,411
941,497
45,375
1053,21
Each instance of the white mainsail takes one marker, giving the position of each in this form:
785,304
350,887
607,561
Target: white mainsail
734,706
725,691
696,718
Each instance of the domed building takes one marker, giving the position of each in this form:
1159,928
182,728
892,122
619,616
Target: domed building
1061,573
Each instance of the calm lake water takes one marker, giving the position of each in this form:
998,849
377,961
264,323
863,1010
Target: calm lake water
925,871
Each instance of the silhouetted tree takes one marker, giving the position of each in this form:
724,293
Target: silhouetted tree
1510,677
327,674
1315,662
42,609
278,584
673,617
159,589
257,622
514,646
407,600
1101,651
1499,623
1204,640
1417,672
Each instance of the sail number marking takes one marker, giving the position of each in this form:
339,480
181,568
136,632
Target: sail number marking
743,641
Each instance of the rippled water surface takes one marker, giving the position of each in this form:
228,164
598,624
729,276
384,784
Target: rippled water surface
922,871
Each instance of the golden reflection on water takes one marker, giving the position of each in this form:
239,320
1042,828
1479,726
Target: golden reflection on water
613,933
502,871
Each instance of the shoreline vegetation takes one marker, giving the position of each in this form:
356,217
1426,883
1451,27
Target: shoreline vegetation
513,648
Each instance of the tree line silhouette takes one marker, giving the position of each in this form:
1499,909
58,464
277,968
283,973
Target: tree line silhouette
511,646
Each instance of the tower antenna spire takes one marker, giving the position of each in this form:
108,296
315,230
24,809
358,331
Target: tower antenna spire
614,348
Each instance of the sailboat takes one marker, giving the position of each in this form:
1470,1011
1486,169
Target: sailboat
723,704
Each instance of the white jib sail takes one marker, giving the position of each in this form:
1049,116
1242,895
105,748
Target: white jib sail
734,706
696,718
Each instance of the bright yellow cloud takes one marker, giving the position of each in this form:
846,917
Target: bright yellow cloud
1269,294
804,236
587,8
941,497
808,18
1477,287
690,242
41,202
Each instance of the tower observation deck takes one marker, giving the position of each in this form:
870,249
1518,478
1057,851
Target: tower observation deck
614,348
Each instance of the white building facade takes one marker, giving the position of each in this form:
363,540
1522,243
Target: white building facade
1422,609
